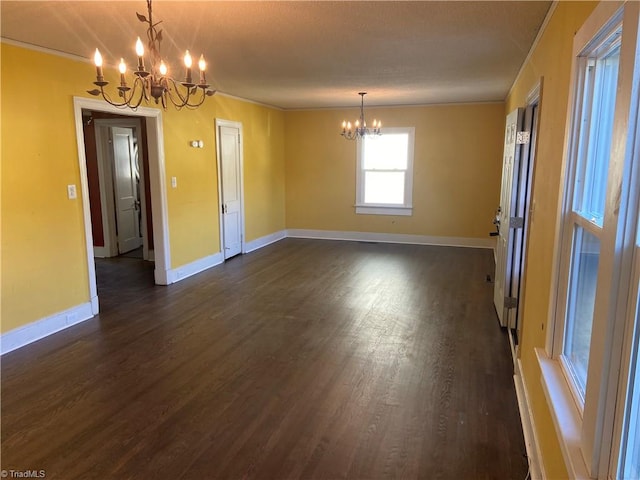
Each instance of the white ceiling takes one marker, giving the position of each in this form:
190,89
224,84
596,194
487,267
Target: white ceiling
307,54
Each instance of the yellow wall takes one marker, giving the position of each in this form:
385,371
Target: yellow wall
552,60
457,170
44,265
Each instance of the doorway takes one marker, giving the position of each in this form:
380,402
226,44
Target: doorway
151,118
514,214
118,180
230,187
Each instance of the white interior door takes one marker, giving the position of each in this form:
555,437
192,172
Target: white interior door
504,248
229,155
125,189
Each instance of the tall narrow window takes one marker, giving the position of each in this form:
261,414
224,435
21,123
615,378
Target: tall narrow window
385,172
584,220
593,384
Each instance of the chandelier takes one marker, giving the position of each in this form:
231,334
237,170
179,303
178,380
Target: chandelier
360,129
153,83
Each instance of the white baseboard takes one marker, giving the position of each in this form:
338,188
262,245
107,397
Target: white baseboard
536,467
27,334
184,271
41,328
393,238
264,241
100,252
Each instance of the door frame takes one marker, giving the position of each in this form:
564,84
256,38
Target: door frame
534,98
219,122
105,174
157,182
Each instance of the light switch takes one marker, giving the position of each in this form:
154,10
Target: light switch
71,192
174,182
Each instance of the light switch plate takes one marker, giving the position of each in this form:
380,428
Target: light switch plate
174,182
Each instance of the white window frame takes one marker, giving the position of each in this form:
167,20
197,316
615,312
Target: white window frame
406,208
585,425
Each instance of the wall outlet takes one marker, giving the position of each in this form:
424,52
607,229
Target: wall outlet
174,182
71,192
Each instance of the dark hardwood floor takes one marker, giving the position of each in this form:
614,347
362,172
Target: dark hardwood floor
305,359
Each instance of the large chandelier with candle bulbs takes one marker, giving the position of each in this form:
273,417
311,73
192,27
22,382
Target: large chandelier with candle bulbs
153,80
359,128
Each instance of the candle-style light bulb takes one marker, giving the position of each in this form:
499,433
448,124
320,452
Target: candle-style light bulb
187,63
357,123
139,47
163,68
97,59
202,65
122,67
349,126
140,54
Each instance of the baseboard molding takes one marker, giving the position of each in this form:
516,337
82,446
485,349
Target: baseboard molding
258,243
44,327
41,328
184,271
393,238
536,467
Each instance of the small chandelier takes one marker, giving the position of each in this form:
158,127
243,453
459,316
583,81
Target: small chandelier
154,83
360,129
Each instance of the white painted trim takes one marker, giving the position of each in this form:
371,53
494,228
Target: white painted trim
229,123
157,181
384,210
197,266
48,51
534,453
392,238
258,243
565,415
534,45
101,252
248,100
44,327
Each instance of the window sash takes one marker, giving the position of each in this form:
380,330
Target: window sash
385,208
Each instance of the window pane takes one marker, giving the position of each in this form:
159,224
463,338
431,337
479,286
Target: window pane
387,152
384,187
631,451
601,78
580,303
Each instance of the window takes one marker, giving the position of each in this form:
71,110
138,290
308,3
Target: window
594,340
583,226
385,172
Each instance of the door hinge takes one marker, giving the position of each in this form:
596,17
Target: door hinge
522,138
516,222
510,302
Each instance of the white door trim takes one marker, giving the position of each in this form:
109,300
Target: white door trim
238,125
157,180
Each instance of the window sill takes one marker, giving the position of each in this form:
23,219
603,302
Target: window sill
384,210
566,416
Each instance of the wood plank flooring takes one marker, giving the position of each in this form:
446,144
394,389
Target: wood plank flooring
305,359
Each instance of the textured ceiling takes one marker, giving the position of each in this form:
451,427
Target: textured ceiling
305,54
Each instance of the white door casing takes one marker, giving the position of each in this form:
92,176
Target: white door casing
504,247
157,179
229,153
125,189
